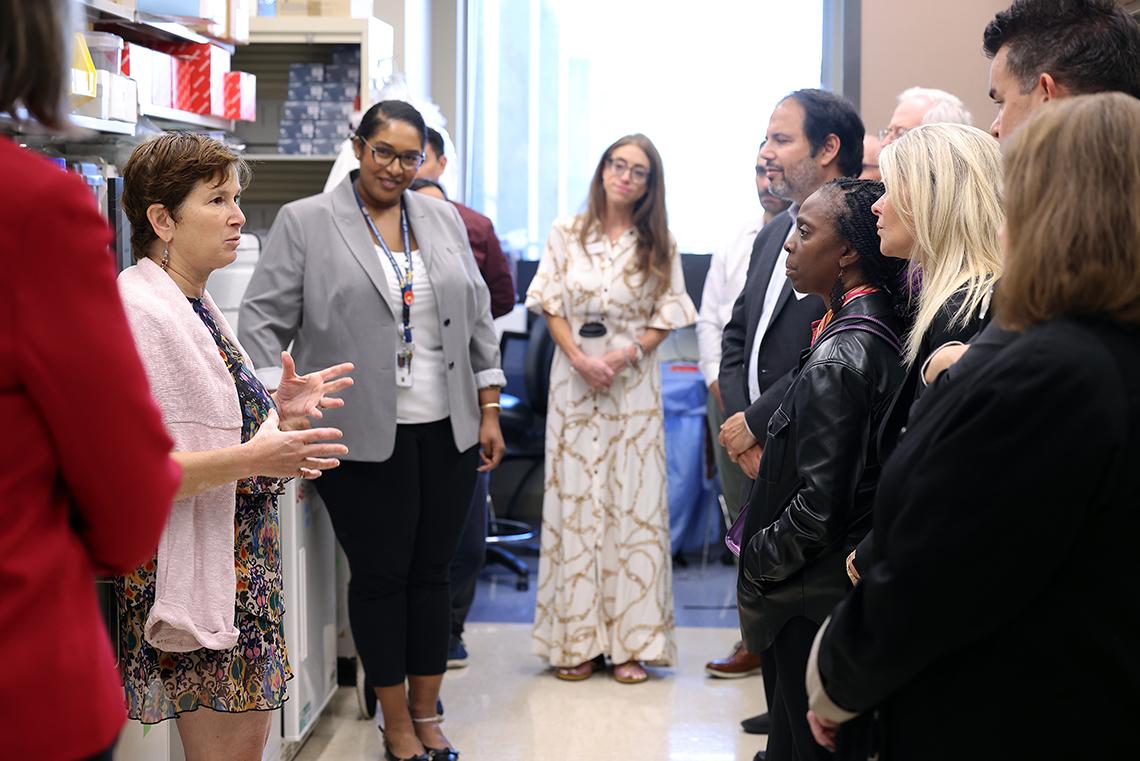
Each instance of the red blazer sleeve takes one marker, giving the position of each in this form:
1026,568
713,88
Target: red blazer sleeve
493,264
77,361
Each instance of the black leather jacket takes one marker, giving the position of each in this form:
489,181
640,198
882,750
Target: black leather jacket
811,503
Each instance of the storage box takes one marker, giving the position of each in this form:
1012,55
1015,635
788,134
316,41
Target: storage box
209,16
346,54
345,8
339,91
306,73
237,20
199,77
310,91
330,129
296,130
302,109
84,85
342,72
124,100
340,110
99,105
295,147
241,96
326,147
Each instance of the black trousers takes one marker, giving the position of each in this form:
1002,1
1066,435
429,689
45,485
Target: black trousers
470,556
791,738
399,523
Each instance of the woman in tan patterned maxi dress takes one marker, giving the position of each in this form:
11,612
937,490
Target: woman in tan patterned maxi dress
605,575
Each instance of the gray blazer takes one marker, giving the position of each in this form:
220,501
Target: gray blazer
320,285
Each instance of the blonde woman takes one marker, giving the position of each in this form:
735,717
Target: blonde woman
941,211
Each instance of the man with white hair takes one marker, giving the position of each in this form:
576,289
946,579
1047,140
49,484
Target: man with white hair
923,105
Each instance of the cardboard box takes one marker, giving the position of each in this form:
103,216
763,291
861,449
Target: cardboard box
344,8
99,105
302,109
124,100
208,16
241,96
340,110
137,65
199,77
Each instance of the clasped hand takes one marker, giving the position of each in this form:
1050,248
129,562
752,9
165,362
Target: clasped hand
599,372
735,437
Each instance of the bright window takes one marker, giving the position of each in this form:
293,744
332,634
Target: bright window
553,82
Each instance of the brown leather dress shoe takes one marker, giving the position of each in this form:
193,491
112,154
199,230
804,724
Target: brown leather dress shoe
740,663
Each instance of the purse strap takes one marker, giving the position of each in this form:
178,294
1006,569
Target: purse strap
867,324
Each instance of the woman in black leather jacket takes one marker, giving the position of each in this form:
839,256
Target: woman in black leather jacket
811,502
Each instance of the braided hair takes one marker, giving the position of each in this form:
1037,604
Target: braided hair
851,202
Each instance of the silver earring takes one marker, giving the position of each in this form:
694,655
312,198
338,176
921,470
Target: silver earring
165,258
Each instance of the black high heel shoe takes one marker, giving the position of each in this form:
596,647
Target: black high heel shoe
437,754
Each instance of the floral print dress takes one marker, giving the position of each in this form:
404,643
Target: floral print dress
251,676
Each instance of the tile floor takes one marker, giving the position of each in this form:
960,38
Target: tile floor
506,707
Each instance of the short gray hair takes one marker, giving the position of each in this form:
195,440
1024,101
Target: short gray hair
945,107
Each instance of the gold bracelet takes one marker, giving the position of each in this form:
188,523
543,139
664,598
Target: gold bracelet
490,406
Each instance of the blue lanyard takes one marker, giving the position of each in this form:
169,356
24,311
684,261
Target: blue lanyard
405,279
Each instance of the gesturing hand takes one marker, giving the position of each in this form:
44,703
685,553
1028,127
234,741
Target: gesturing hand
300,397
282,454
595,372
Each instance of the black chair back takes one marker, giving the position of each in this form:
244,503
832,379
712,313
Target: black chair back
536,367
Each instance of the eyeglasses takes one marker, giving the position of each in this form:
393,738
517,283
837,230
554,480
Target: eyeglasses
638,175
894,133
383,155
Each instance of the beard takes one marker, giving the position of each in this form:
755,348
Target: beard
797,181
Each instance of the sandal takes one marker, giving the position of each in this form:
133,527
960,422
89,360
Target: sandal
582,671
630,672
437,754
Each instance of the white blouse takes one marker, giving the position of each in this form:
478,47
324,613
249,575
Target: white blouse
426,400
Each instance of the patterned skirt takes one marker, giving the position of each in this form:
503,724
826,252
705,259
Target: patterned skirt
251,676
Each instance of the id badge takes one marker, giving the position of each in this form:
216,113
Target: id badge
404,367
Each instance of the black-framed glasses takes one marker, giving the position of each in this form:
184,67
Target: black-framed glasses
637,174
383,155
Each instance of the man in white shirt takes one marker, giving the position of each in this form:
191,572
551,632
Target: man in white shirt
725,279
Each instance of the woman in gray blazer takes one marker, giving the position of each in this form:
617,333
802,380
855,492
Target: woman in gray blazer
386,277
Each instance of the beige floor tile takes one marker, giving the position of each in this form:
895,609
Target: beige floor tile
506,707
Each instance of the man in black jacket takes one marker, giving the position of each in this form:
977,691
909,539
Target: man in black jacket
813,136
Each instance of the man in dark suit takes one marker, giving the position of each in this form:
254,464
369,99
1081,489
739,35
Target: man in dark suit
813,137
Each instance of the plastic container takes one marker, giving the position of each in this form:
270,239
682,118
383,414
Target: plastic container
106,50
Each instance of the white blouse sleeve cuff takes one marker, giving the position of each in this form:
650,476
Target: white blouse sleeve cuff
492,377
818,699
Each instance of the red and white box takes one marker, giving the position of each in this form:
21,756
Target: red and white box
241,96
199,77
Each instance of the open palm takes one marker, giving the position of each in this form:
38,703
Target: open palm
300,397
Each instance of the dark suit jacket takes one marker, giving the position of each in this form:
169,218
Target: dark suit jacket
1003,592
489,256
788,334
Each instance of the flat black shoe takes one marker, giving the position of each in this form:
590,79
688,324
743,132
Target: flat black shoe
757,725
443,754
390,756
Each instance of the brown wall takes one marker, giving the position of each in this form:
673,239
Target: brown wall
932,43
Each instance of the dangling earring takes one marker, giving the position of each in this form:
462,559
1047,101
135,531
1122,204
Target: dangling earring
165,258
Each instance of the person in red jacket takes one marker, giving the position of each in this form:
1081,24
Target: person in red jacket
493,264
87,481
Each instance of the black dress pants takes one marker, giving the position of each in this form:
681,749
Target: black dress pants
791,738
470,556
399,522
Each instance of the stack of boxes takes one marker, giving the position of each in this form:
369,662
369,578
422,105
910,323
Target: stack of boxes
321,99
190,77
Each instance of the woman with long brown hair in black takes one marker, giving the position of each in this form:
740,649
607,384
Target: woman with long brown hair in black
611,289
